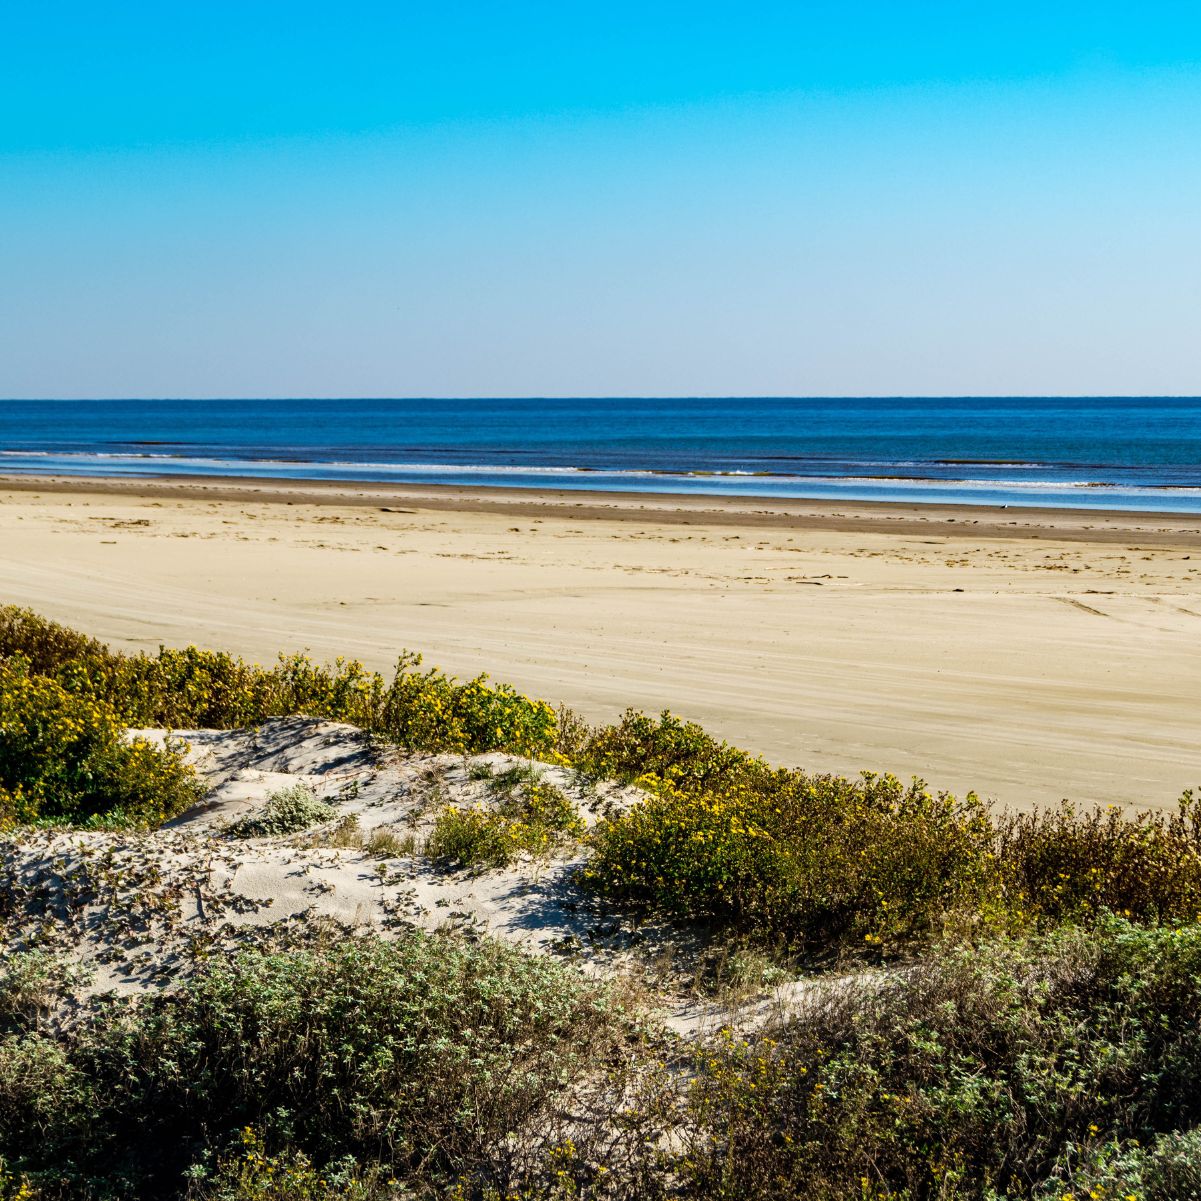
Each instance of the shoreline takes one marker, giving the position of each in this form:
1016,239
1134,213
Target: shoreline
851,516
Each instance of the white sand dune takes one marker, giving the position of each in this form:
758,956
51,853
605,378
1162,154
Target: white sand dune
154,902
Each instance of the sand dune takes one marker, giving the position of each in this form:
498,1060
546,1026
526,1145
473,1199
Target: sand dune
146,906
1030,656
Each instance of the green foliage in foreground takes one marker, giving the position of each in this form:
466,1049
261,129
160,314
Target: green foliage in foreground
1011,1070
1014,1070
423,1054
65,758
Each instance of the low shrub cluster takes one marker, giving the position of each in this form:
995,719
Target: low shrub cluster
1068,866
530,815
1063,1067
813,862
426,1054
252,1172
192,688
665,751
822,864
1167,1169
65,758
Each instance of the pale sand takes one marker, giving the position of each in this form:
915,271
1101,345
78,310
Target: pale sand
1030,655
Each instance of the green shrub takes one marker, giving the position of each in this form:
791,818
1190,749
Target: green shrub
1063,865
425,1053
820,864
1169,1169
667,751
977,1075
531,816
287,811
47,1104
815,862
43,644
252,1173
470,838
191,688
65,758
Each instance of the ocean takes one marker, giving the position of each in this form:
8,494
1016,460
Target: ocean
1138,453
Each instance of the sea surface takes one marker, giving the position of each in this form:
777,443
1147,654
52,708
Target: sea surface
1141,453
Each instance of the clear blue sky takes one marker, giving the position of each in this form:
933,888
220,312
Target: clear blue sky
554,199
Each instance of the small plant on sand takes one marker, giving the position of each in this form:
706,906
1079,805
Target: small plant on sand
385,843
33,986
344,835
288,811
530,815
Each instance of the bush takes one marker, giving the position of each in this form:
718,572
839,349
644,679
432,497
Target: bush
668,751
977,1075
252,1173
286,812
1068,866
532,816
815,862
821,864
191,688
64,758
1167,1170
44,645
425,1054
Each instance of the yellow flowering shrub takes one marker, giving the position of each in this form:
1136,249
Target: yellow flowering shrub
193,688
64,757
533,818
813,862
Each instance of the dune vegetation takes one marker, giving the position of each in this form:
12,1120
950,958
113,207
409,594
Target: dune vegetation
991,1006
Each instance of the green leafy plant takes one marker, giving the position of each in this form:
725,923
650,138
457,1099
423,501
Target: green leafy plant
65,758
531,815
1011,1069
288,811
424,1053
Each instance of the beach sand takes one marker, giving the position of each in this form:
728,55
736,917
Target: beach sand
1030,655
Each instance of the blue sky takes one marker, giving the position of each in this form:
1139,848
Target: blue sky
550,199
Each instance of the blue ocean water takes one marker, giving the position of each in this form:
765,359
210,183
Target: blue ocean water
1102,452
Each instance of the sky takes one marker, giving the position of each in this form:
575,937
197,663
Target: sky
549,199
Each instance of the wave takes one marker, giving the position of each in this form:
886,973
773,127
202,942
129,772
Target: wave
1151,493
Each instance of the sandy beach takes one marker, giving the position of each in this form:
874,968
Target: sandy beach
1028,654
